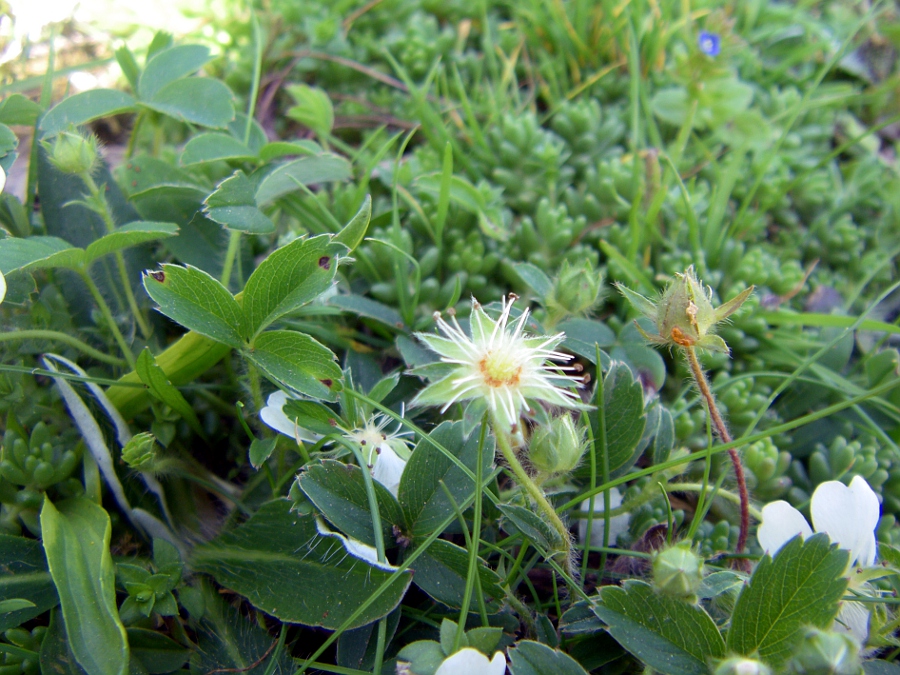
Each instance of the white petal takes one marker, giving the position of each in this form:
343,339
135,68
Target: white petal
2,287
388,468
853,619
868,512
468,661
781,522
2,179
848,515
355,547
617,524
273,416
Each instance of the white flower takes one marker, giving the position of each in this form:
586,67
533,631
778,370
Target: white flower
273,415
382,451
849,516
468,661
499,364
2,179
2,287
617,524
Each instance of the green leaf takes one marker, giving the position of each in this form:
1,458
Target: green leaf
313,109
534,658
339,492
535,278
353,232
669,635
34,253
126,236
24,577
56,654
216,146
441,572
156,652
623,403
18,109
801,587
278,149
286,567
583,334
287,279
260,451
296,362
170,65
76,536
160,387
198,302
423,656
368,308
129,65
288,178
312,416
233,205
531,525
425,502
83,108
198,100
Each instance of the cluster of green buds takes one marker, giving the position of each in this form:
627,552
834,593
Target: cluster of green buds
151,590
684,315
35,463
73,153
140,453
822,652
678,571
557,448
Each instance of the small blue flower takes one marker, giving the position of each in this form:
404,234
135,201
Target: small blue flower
709,43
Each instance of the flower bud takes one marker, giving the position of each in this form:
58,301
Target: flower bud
678,571
70,152
140,452
576,290
740,665
557,447
823,652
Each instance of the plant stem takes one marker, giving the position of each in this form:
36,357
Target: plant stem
65,338
234,241
107,314
532,489
103,211
725,436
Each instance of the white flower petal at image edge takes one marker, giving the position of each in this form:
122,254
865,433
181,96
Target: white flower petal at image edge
388,468
617,524
468,661
2,287
273,416
849,516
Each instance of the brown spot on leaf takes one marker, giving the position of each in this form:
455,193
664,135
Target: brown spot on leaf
327,382
158,276
325,262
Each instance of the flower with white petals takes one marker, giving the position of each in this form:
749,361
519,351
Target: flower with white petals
499,364
386,453
849,516
468,661
273,416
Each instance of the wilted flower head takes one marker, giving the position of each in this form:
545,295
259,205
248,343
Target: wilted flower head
709,43
499,364
468,661
849,516
684,315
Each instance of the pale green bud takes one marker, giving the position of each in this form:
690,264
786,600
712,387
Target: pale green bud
70,152
678,571
823,652
140,451
740,665
557,447
576,290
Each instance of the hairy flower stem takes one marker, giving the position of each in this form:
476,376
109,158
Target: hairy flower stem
528,484
722,431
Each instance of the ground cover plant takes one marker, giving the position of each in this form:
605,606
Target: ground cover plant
458,337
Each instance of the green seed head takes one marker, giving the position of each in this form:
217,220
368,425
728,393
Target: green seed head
678,571
140,451
557,447
576,290
823,652
739,665
73,153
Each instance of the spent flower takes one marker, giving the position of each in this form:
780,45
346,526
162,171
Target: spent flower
849,516
684,314
498,363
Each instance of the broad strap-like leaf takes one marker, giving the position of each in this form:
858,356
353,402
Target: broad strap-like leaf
339,492
128,235
76,535
297,362
800,587
24,576
160,387
667,634
198,302
287,279
284,565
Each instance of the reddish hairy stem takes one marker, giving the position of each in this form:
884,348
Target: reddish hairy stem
722,431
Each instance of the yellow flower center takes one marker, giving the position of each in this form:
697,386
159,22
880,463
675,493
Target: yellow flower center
499,369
